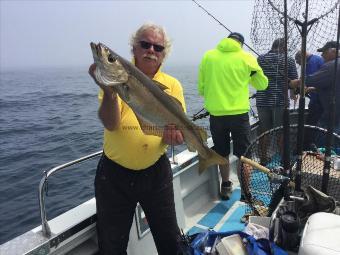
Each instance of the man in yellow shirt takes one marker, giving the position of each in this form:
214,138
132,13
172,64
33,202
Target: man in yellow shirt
134,166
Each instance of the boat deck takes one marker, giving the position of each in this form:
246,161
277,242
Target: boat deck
221,215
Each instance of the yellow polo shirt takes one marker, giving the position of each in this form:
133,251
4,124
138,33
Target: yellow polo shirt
128,145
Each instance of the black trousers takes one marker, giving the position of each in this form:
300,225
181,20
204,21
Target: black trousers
117,192
238,126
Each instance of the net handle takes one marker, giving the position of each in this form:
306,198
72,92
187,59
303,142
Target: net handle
264,169
255,164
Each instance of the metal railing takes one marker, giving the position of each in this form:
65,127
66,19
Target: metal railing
42,188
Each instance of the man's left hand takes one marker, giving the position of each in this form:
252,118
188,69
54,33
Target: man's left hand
172,136
293,84
309,89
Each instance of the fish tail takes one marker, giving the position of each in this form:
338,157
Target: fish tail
212,159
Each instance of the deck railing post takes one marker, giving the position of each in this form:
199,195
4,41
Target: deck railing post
46,230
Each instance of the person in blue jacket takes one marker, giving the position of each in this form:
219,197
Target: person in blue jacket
322,81
313,64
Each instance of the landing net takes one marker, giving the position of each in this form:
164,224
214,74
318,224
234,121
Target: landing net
267,23
262,193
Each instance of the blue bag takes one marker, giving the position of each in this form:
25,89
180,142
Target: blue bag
254,247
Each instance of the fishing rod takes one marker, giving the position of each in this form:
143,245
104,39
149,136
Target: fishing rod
286,115
302,100
330,128
200,115
220,23
249,47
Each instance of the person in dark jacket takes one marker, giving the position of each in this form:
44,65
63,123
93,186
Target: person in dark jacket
322,81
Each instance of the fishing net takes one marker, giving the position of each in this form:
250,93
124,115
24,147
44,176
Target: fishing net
267,23
262,192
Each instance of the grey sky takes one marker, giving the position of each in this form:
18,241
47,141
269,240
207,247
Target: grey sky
58,33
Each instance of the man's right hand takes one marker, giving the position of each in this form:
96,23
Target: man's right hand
109,112
107,90
172,135
294,84
92,70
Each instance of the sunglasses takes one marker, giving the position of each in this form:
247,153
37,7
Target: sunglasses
146,45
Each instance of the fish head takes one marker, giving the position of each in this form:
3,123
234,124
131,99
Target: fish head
109,68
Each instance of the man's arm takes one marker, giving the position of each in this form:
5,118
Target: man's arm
258,79
292,75
322,78
171,134
109,112
292,70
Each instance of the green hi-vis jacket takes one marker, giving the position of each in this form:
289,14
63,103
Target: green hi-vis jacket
224,75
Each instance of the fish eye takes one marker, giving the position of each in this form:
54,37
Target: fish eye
111,58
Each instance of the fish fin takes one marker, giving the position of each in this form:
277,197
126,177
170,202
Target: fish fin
213,159
203,133
199,132
177,102
190,147
163,87
160,85
149,128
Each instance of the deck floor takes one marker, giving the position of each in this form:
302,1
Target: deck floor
219,215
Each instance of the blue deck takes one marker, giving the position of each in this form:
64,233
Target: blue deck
216,214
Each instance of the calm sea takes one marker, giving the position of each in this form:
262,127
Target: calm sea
49,117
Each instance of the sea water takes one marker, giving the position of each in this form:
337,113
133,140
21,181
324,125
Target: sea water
48,116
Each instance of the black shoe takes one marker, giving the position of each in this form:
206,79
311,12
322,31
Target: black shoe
226,190
243,198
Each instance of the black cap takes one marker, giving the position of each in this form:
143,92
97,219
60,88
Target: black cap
237,36
328,45
278,44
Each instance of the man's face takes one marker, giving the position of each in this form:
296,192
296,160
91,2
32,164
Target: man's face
148,55
328,54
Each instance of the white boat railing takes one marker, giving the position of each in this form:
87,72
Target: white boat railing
43,185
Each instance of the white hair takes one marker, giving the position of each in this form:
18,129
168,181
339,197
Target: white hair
135,38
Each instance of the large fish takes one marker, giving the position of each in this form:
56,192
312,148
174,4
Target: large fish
153,107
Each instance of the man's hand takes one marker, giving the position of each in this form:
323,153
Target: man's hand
107,90
92,70
292,95
172,136
309,89
293,84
